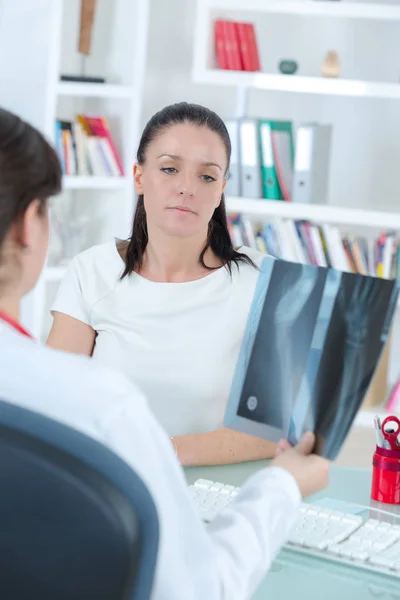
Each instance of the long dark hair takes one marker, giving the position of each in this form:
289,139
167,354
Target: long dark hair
218,238
29,170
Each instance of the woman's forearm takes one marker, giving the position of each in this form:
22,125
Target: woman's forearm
220,447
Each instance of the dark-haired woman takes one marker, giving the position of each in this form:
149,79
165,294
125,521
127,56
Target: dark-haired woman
225,561
169,307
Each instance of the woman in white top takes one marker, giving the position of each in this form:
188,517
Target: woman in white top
169,308
226,560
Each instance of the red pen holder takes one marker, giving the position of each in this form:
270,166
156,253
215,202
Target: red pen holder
386,476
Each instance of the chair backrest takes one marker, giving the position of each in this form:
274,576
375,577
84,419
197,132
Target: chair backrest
76,522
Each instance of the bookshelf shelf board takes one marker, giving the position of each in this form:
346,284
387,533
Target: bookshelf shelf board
344,9
319,213
54,274
298,84
94,183
95,90
365,417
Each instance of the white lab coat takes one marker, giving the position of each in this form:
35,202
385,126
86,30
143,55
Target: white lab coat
225,560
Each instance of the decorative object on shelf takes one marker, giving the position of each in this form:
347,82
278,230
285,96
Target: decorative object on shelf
288,66
331,65
236,46
88,12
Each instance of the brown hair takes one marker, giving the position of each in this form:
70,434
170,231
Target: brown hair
218,238
29,170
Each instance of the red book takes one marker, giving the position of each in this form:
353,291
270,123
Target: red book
99,127
232,46
220,50
253,47
244,49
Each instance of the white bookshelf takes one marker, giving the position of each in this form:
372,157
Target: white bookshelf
318,213
298,84
344,9
365,417
95,183
54,274
119,55
94,90
204,65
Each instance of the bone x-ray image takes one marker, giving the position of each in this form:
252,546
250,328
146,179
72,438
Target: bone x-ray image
313,340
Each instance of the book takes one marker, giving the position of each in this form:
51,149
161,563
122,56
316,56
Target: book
86,147
319,245
235,46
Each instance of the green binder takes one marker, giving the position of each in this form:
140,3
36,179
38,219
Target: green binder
277,159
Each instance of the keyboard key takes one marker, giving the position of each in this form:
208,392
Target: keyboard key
204,484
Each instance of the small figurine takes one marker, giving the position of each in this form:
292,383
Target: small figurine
288,66
331,65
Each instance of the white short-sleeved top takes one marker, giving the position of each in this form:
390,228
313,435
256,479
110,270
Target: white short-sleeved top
179,342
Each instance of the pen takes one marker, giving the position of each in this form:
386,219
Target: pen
382,443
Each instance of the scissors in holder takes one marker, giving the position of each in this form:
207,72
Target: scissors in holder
391,434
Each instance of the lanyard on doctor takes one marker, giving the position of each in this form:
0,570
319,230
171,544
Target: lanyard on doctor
14,324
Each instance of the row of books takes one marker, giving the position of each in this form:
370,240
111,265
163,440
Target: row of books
86,147
271,160
322,245
236,46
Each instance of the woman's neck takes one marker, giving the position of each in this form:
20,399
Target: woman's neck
177,259
10,305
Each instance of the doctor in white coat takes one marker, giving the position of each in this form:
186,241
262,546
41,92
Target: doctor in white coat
223,561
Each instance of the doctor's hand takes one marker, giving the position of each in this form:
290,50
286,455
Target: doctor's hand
310,471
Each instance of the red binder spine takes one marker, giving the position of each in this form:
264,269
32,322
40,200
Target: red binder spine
232,43
253,48
220,49
244,46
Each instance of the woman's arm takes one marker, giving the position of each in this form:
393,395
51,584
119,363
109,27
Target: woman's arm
220,447
71,335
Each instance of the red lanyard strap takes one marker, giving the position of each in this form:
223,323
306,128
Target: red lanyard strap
14,324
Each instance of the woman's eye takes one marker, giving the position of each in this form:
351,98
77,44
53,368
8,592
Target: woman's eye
208,178
169,170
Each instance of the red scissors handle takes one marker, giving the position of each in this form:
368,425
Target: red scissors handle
391,436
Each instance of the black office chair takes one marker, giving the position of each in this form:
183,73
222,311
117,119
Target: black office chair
76,523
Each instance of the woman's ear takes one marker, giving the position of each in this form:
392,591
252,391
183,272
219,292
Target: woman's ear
29,228
138,178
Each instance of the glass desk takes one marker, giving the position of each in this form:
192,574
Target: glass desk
298,577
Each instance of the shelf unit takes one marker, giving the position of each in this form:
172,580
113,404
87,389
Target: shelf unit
204,70
94,90
343,9
298,84
95,183
118,53
319,213
54,274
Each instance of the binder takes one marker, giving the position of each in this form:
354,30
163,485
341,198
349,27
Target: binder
251,184
312,161
270,184
233,187
277,158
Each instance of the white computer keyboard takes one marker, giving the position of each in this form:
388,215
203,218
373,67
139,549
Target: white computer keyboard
330,534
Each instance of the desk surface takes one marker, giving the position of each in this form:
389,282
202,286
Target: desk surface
296,577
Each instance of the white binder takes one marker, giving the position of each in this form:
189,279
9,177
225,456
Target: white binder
251,181
233,184
312,163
